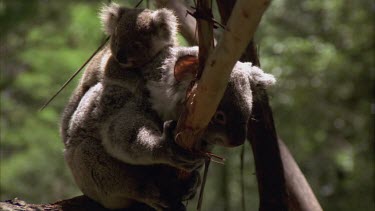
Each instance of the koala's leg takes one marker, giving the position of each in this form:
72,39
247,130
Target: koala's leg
115,184
97,174
68,112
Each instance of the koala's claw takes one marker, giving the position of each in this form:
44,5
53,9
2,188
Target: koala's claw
168,129
177,156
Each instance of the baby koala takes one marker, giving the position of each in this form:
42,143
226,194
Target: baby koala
136,37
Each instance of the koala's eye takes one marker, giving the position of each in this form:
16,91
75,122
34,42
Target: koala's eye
220,117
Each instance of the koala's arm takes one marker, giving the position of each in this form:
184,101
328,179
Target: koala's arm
134,135
135,139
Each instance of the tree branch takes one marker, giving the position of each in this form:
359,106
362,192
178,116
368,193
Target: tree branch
205,32
187,22
79,203
269,167
301,197
262,135
208,91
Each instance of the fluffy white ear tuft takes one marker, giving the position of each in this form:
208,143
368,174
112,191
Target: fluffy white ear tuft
109,15
257,76
166,22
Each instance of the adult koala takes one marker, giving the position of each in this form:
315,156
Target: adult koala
169,83
116,146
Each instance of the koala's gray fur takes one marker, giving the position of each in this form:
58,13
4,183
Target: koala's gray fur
137,36
167,97
115,145
118,152
118,142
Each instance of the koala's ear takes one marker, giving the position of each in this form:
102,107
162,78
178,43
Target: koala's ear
254,73
109,15
257,76
186,66
166,22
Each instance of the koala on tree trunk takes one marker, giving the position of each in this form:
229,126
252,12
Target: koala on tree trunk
228,126
116,128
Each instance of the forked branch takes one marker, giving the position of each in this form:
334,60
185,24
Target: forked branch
209,89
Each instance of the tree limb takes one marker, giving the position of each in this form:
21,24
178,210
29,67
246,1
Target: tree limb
262,135
208,91
79,203
205,32
187,22
269,167
301,197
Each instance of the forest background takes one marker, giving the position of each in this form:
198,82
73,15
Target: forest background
322,53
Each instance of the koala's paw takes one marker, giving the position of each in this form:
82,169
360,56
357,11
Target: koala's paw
186,160
177,156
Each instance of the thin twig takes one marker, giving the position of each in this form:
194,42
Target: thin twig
74,75
242,179
200,199
197,16
79,70
139,3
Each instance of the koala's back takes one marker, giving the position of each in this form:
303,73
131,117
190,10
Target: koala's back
101,69
92,75
95,69
99,175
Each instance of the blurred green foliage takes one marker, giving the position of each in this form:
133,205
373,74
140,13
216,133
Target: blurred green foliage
322,53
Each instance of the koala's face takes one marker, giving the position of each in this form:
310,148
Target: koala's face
228,127
137,35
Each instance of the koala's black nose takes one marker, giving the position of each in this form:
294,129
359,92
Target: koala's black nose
122,57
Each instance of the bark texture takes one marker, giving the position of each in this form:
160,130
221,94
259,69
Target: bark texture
79,203
209,89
